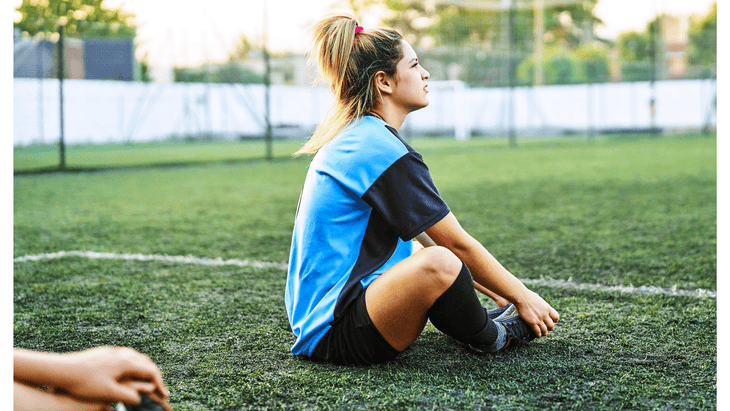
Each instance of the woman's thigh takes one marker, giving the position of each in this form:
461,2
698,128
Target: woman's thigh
398,301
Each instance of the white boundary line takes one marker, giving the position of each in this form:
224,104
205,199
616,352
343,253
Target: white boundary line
545,282
146,257
645,289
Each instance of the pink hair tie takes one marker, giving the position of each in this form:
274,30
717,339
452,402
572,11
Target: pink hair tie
358,29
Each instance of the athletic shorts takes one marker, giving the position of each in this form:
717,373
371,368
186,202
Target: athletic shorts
353,339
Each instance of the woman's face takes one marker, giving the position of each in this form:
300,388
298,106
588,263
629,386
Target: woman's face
411,81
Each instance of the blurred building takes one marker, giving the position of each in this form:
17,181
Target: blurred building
91,59
39,59
109,59
674,47
286,69
32,58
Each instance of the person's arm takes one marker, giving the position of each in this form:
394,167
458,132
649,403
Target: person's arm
490,274
426,241
103,374
27,398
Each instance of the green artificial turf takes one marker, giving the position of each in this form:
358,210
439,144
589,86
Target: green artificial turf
618,211
164,153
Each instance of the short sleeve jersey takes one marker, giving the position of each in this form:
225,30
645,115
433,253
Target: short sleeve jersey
367,193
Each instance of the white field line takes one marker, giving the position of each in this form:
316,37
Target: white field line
645,289
545,282
146,257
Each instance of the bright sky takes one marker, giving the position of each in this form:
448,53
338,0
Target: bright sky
174,33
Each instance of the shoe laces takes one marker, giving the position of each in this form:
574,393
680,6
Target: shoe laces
516,327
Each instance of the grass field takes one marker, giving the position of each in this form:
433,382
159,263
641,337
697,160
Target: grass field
617,214
164,153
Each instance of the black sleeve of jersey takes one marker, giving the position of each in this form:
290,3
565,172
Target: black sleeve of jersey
406,197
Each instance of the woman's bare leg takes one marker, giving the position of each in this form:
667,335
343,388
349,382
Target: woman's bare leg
501,302
424,241
399,300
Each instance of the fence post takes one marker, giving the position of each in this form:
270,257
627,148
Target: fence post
267,83
511,75
61,145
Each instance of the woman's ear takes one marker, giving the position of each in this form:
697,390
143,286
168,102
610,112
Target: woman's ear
383,83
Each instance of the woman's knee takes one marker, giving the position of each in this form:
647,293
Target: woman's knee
440,264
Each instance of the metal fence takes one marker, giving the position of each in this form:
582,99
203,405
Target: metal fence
514,79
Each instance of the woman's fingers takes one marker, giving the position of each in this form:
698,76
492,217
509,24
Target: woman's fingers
554,315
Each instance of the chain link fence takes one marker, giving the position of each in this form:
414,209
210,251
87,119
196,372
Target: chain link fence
504,73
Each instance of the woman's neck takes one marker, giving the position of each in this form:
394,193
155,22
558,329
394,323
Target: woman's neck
390,115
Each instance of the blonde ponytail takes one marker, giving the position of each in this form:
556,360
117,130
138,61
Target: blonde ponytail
348,61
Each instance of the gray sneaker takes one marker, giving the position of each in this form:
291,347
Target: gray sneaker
518,331
493,314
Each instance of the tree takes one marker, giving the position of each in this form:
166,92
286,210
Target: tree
635,46
594,58
457,26
412,19
559,65
144,69
703,39
471,32
229,73
241,49
80,18
483,28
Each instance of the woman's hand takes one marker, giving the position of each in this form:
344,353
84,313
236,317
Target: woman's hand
98,375
537,313
111,374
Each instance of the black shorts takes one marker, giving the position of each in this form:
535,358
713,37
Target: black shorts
353,339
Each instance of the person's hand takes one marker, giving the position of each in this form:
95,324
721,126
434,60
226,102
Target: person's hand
537,313
110,374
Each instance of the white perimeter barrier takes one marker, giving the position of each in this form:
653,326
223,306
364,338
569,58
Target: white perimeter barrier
114,111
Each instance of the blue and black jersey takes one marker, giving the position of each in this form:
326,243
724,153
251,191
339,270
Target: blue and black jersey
367,193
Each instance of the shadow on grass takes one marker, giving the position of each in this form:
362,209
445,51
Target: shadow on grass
173,164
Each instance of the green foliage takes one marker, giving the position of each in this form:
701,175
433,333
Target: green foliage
479,27
703,39
457,26
588,63
488,70
637,71
80,18
472,30
144,69
622,210
231,73
559,66
408,17
580,18
637,50
635,46
595,60
242,48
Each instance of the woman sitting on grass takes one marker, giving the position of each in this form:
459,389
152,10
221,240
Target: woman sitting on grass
356,293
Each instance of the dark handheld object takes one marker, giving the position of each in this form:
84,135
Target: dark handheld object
149,404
